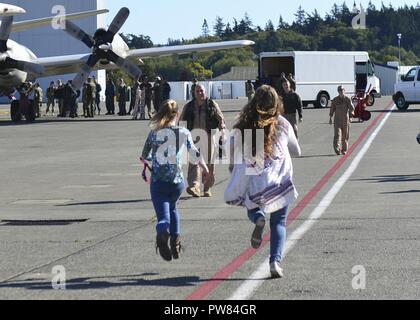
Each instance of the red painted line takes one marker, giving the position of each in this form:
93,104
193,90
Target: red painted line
321,184
206,289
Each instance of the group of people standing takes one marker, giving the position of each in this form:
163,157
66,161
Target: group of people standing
143,93
65,96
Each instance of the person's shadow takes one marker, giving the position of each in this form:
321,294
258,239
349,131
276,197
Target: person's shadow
106,282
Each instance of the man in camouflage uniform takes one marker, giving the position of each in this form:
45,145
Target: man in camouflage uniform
50,98
38,99
89,99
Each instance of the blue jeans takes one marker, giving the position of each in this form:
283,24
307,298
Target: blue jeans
165,196
278,231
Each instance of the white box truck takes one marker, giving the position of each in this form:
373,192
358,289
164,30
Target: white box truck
319,73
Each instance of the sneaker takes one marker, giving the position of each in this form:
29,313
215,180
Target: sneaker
207,194
162,245
275,270
176,247
256,239
194,192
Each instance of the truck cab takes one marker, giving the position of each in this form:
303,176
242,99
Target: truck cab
407,91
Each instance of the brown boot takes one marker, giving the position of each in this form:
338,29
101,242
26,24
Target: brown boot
162,246
176,247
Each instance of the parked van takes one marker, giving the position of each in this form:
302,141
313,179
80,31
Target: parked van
408,90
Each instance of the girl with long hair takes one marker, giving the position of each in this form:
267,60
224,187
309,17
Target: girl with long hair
271,189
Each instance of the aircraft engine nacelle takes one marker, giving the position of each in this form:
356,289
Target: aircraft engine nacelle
7,10
118,46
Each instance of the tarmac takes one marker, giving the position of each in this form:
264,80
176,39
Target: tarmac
71,196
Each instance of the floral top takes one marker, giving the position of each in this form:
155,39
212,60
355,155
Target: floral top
161,149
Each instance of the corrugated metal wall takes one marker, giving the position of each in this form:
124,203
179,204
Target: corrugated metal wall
388,77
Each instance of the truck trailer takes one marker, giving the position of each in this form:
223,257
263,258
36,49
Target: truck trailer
319,73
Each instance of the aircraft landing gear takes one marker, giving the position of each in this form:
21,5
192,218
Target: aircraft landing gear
24,107
15,113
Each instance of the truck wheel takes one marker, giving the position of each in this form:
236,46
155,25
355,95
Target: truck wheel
15,111
30,113
401,103
371,100
322,101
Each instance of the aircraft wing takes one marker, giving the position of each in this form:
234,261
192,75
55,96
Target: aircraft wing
29,24
62,64
72,63
186,49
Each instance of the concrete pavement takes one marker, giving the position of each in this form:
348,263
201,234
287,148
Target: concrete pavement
84,175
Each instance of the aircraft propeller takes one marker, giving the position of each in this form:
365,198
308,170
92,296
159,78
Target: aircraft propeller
101,45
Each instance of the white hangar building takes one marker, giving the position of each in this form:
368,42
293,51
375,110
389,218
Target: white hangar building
47,42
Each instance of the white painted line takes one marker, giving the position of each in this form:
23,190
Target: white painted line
247,289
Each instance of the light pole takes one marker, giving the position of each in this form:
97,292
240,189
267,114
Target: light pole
399,46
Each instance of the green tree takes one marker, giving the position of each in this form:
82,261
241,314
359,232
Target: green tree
205,29
300,17
219,27
282,24
199,72
248,25
137,41
228,31
269,26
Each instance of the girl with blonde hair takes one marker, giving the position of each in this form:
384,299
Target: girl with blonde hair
164,148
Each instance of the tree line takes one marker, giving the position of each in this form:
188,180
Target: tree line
308,31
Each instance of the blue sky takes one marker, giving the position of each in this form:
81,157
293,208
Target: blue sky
163,19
